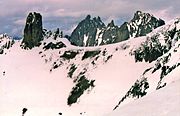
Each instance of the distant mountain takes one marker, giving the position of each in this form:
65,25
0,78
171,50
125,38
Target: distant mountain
93,32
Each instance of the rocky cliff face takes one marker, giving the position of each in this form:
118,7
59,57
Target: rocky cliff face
33,31
93,32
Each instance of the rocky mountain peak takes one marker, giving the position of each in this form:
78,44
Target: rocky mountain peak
147,17
33,31
111,24
93,32
140,14
88,17
143,23
85,33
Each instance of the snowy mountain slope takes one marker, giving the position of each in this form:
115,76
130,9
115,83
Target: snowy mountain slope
164,102
162,47
31,81
28,83
57,77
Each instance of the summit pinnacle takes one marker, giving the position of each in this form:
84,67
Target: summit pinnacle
33,31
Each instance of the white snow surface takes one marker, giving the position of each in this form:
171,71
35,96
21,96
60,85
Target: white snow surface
29,83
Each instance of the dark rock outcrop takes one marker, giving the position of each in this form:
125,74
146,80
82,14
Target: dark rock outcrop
33,31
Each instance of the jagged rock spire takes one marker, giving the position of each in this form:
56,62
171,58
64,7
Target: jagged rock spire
111,24
33,31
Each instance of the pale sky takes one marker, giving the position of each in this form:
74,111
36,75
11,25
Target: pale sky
66,14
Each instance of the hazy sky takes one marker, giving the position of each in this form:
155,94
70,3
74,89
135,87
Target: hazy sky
66,14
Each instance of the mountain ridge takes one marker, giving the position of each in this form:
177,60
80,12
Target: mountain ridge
140,25
93,76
